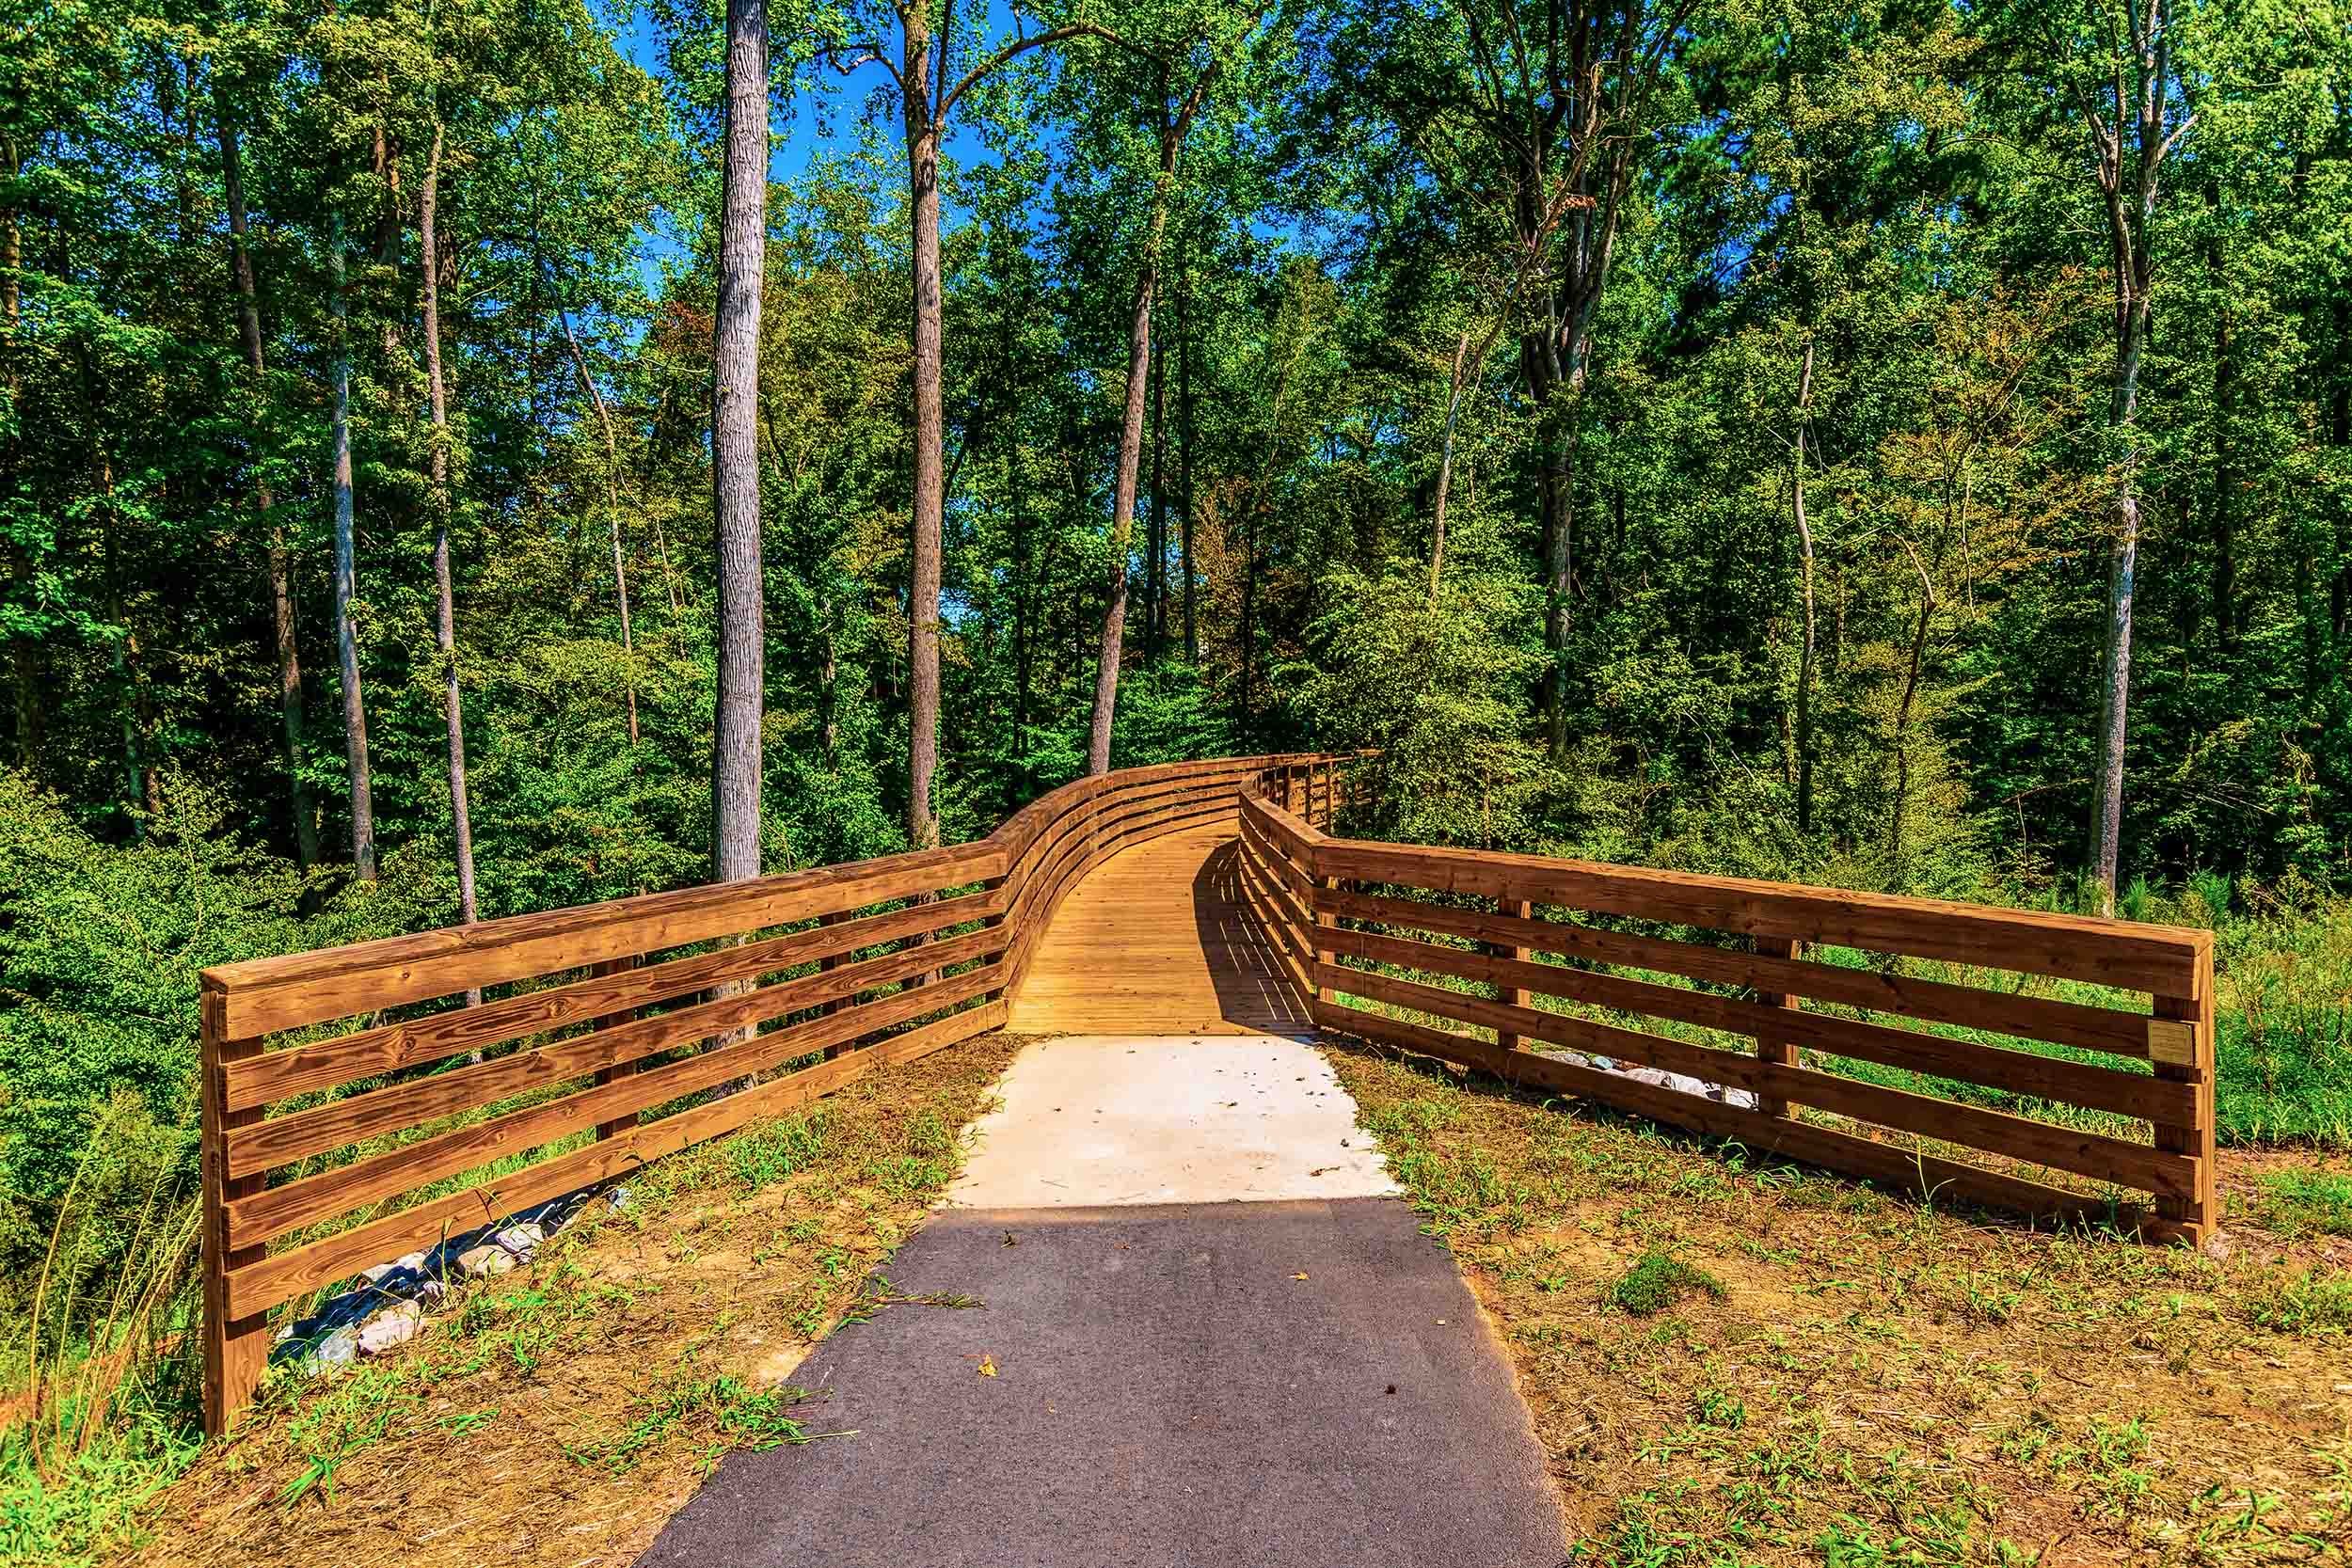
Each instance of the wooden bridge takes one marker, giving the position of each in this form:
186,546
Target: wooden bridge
1187,899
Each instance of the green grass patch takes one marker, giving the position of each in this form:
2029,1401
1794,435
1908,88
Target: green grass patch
1658,1281
2316,1300
2302,1202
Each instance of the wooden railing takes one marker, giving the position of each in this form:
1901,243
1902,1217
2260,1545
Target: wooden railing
1376,930
605,1032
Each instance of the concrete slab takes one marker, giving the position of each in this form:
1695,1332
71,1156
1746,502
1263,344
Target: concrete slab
1108,1120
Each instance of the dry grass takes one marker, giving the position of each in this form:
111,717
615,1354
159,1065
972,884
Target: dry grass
1878,1382
560,1414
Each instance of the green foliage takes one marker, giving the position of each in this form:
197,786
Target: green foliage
1434,682
2305,1202
2313,1300
1658,1280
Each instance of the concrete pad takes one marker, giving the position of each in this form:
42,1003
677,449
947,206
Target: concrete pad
1097,1121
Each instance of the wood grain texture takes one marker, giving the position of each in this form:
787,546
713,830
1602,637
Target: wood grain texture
624,985
2153,958
282,1275
2104,1088
1774,966
1160,940
1906,1169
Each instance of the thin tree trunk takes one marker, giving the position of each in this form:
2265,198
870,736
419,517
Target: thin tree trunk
2116,672
735,436
346,575
930,498
445,606
1156,568
1131,431
612,509
1445,467
1123,510
1903,715
2129,149
1804,559
305,821
1183,416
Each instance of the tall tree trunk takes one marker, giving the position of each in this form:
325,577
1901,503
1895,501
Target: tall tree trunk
306,819
2129,145
346,575
1804,562
2116,672
1445,467
1124,507
931,496
1155,567
735,450
445,608
1184,408
1131,428
613,510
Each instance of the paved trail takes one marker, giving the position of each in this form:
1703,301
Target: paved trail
1168,1390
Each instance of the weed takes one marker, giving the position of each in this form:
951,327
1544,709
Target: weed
723,1411
2306,1202
2316,1300
1659,1280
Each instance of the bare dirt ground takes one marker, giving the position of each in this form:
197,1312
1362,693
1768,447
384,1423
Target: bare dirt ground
561,1413
1821,1374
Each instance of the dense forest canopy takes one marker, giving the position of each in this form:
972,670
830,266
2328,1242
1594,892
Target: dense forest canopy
1851,443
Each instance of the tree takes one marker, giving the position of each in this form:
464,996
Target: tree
2133,113
286,643
920,73
346,571
445,604
736,759
1171,130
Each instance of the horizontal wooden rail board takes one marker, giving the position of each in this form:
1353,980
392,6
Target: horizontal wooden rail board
387,1048
2073,947
2129,1094
284,1276
2060,1022
1914,1170
2060,1147
280,1141
267,995
276,1211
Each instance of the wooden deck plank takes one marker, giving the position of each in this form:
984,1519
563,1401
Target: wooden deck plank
1158,941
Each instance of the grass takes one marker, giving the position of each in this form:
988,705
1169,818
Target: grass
1875,1381
2303,1201
562,1411
1658,1281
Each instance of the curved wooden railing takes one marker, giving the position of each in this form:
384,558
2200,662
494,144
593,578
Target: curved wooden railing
603,1029
1383,934
352,1110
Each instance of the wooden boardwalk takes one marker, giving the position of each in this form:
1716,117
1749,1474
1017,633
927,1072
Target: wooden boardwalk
1158,941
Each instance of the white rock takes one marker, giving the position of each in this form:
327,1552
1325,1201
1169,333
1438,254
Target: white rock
395,1325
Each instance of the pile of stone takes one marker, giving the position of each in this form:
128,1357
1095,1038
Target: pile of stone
389,1304
1681,1083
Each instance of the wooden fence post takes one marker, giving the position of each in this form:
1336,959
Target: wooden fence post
2181,1045
606,1075
1774,1047
1512,996
826,966
235,1350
